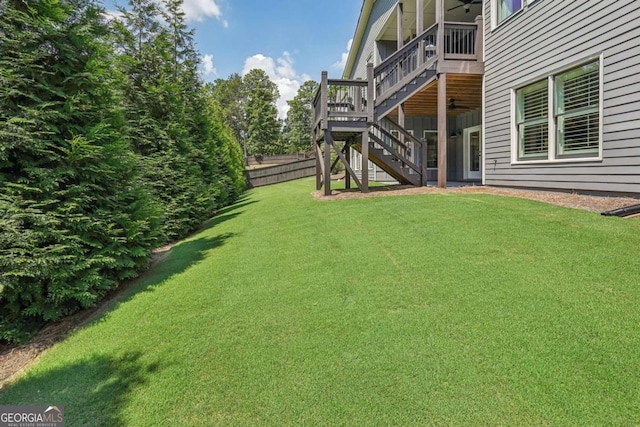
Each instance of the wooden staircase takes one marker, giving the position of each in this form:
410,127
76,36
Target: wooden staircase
356,111
395,155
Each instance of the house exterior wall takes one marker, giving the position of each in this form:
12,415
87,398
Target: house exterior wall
549,36
380,13
418,125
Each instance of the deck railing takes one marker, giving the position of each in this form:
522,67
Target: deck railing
406,60
460,41
353,100
343,100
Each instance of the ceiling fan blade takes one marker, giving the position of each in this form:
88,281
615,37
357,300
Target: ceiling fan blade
453,106
456,7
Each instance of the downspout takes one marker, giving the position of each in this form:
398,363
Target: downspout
623,212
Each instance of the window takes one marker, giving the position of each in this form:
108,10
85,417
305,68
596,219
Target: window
431,138
558,118
506,8
578,110
533,120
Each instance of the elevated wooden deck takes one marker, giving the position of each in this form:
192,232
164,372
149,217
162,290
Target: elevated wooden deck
354,111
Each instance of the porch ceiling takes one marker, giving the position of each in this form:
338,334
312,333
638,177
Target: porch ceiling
458,14
466,89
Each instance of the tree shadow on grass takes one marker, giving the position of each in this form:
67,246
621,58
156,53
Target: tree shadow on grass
93,391
175,261
244,202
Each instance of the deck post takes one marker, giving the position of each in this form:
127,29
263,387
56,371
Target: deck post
365,161
401,137
442,130
327,163
318,169
420,29
324,100
440,39
371,96
479,47
423,163
347,175
400,25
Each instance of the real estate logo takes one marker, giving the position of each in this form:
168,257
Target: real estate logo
31,416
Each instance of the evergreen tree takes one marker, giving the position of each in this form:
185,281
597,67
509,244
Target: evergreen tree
230,96
299,122
74,218
167,118
263,127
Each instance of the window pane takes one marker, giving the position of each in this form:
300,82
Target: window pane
534,102
578,110
533,120
579,88
534,139
579,134
432,149
506,8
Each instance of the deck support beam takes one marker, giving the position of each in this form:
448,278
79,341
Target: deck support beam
440,20
442,130
365,161
347,176
420,29
419,16
400,25
327,163
340,156
319,166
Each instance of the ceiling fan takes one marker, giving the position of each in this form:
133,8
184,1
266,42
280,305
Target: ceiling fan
453,106
466,4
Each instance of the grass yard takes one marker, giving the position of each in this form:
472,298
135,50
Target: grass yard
442,309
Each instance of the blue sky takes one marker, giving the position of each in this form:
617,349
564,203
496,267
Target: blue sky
292,40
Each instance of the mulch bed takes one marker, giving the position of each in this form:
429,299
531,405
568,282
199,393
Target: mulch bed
569,200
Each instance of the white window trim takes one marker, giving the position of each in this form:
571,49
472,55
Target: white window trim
494,13
552,151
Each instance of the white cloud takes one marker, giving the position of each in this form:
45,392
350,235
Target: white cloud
199,10
112,15
195,10
282,72
343,58
207,65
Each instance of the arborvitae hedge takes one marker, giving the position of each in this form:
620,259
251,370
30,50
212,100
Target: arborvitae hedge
91,180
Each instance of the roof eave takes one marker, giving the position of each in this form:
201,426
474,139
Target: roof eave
365,13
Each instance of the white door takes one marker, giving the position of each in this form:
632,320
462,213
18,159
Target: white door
472,152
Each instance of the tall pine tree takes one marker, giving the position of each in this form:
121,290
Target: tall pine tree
263,133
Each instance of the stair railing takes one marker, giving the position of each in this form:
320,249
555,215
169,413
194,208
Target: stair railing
407,148
406,60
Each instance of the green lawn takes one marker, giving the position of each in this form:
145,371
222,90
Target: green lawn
416,310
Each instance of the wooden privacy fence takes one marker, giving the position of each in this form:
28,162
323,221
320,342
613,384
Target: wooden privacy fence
277,159
281,173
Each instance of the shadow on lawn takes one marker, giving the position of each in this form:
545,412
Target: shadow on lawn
93,391
183,255
244,202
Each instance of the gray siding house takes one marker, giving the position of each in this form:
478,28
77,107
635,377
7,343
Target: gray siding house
562,94
519,93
